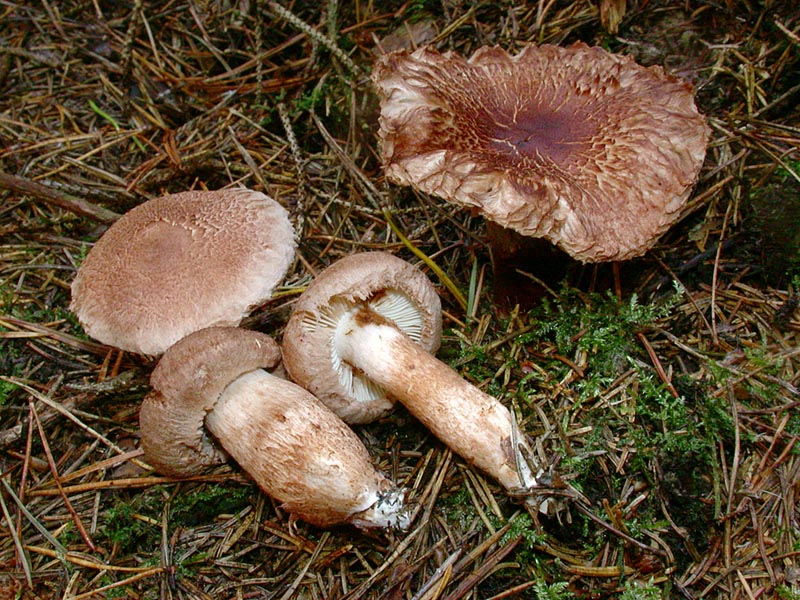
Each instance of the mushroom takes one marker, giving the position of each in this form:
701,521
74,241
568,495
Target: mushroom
181,262
577,145
353,335
388,286
296,449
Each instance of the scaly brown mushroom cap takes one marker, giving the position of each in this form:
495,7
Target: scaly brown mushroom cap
583,147
380,281
181,262
295,448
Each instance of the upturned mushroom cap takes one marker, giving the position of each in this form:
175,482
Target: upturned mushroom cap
181,262
577,145
187,383
296,449
388,285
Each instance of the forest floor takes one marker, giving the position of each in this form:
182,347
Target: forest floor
664,389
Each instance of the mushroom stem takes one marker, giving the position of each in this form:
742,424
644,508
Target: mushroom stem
472,423
211,389
299,452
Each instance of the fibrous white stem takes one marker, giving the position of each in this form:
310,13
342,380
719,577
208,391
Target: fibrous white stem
472,423
300,453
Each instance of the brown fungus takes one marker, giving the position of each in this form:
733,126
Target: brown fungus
213,396
585,148
371,317
389,287
179,263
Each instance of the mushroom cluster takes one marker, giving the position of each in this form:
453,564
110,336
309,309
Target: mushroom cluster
173,277
216,381
582,147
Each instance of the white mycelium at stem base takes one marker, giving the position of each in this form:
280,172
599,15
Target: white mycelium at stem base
473,424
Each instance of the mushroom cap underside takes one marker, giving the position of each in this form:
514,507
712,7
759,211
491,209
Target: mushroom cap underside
578,145
390,286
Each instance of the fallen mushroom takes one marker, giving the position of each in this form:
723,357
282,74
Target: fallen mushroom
340,333
295,448
578,145
181,262
386,285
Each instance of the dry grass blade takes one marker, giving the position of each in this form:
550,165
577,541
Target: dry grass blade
486,567
21,558
54,472
61,551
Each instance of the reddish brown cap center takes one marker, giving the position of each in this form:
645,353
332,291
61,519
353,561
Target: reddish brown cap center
542,134
164,244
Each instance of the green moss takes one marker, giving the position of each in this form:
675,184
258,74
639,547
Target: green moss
205,503
552,591
126,524
786,592
634,590
523,526
659,433
600,325
459,509
5,391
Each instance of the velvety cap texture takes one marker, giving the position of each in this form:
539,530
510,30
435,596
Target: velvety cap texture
179,263
588,149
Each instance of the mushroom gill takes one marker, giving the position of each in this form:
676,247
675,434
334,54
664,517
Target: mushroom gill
577,145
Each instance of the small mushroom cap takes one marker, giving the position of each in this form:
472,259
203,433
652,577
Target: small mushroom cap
577,145
187,382
391,287
179,263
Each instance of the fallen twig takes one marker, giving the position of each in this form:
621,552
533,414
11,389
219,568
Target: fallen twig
67,202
